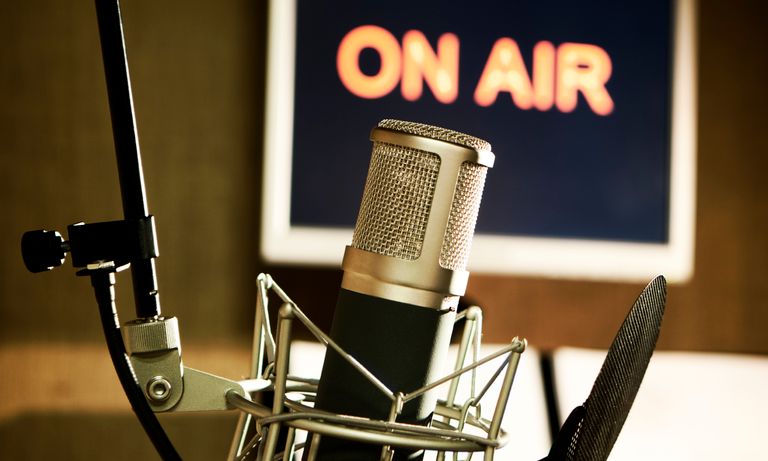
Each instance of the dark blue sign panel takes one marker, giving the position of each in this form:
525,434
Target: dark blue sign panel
576,99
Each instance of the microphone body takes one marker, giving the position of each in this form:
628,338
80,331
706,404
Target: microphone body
403,275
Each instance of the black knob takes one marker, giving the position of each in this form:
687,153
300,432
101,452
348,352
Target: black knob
42,250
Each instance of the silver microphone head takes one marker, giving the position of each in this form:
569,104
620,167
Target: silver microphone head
414,231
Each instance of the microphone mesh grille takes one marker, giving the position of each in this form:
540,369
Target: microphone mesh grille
396,201
436,132
457,241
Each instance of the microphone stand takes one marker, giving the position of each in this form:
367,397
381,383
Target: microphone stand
134,208
147,359
106,248
126,147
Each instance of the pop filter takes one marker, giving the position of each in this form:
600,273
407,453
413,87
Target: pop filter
591,430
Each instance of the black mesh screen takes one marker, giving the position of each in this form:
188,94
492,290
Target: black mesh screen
619,379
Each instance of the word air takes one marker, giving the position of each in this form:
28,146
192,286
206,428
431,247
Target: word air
558,74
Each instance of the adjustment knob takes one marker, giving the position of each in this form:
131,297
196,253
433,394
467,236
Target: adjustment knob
42,250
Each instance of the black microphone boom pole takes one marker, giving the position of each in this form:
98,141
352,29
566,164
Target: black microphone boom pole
134,208
403,275
126,147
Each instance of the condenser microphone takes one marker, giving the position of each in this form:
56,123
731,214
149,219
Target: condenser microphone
403,275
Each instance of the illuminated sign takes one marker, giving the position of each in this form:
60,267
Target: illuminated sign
589,108
580,67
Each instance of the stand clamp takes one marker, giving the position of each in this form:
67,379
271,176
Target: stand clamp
154,348
121,242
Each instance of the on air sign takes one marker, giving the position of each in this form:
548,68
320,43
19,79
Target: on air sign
589,107
557,74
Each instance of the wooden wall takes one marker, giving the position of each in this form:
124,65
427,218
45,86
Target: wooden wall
197,71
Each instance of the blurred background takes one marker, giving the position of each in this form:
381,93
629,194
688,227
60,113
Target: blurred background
197,71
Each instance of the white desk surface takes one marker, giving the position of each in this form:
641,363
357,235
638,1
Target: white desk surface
691,406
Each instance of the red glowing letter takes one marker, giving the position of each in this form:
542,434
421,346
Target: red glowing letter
543,75
440,71
505,71
348,65
585,68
